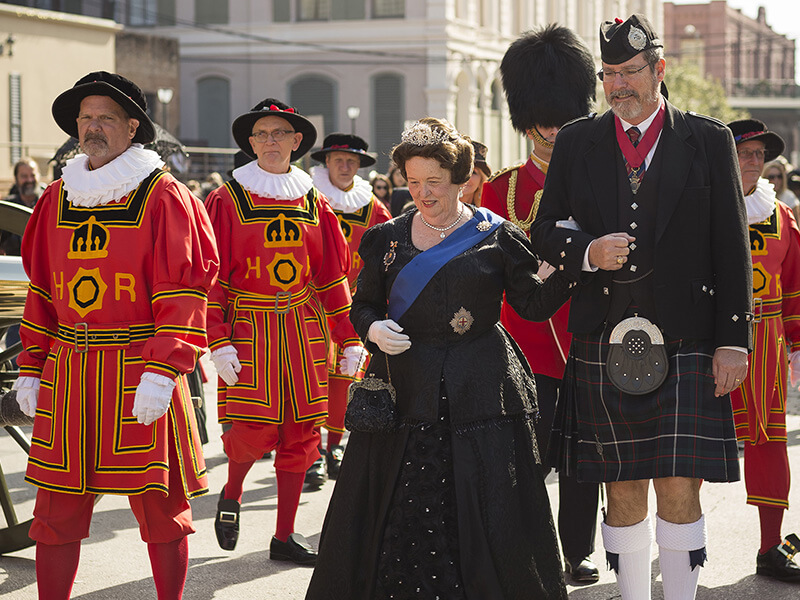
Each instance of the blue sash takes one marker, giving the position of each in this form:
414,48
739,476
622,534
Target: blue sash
413,278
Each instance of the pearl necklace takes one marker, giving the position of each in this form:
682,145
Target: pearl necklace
441,230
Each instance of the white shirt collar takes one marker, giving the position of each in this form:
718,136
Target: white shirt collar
113,181
761,203
285,186
346,201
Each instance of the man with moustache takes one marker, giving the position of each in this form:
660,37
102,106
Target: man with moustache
549,79
759,404
120,258
645,205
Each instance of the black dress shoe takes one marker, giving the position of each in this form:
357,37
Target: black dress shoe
333,460
315,476
295,549
777,565
582,570
226,523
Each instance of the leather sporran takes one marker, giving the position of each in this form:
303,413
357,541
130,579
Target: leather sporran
637,359
371,405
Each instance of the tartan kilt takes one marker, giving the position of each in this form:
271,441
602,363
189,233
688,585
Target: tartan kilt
680,430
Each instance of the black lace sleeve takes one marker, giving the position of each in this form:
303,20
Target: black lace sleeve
370,300
525,292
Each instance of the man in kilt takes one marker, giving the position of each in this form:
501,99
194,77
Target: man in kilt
644,203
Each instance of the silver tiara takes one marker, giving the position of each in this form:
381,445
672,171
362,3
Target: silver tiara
422,134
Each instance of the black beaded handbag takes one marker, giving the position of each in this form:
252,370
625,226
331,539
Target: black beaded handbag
371,405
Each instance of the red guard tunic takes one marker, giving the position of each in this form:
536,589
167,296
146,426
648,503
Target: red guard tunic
281,296
759,405
115,290
353,226
546,344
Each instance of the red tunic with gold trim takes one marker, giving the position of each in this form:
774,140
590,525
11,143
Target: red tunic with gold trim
115,290
282,295
546,344
759,405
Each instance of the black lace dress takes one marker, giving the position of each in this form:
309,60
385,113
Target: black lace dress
453,504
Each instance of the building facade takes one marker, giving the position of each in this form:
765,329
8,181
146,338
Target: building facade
754,64
392,60
367,66
43,53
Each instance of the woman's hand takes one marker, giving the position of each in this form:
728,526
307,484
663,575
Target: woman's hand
387,335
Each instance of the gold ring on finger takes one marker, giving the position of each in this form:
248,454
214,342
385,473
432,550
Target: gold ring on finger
620,260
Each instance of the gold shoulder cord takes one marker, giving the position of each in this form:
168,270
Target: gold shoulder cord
511,204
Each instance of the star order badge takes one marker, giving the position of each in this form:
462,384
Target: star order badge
462,321
484,226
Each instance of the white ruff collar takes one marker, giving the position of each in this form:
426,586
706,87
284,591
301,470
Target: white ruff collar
286,186
112,181
346,201
761,203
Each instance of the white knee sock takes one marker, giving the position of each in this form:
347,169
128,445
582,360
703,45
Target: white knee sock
632,545
675,542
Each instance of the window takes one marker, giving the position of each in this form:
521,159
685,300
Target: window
388,8
314,10
388,114
213,111
211,12
314,96
15,120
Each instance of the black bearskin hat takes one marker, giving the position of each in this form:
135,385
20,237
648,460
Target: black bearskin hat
549,78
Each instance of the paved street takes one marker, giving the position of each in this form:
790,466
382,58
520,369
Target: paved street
114,563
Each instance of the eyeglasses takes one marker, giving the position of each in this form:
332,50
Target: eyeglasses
277,135
749,154
624,73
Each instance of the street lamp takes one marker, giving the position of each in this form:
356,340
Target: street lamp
352,114
164,97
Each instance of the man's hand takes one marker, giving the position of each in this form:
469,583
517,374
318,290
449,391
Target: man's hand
153,395
610,252
729,369
226,362
27,389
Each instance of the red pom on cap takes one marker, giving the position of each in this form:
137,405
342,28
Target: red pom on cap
618,20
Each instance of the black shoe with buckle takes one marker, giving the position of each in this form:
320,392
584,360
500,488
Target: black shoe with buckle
295,549
333,460
315,476
226,523
777,561
582,570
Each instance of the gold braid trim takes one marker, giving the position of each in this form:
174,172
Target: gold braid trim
511,201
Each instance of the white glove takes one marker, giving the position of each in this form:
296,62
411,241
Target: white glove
387,334
227,364
794,368
354,357
27,389
153,395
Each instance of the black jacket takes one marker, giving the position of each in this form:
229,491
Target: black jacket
702,275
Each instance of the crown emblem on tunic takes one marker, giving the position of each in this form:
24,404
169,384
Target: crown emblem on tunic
422,134
282,233
90,240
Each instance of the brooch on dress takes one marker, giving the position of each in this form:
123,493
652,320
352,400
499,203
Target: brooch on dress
389,257
484,226
462,321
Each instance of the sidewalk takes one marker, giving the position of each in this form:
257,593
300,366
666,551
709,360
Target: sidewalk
114,564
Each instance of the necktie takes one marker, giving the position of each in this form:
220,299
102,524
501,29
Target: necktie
634,175
633,135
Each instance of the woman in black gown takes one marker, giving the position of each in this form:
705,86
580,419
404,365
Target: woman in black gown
453,504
